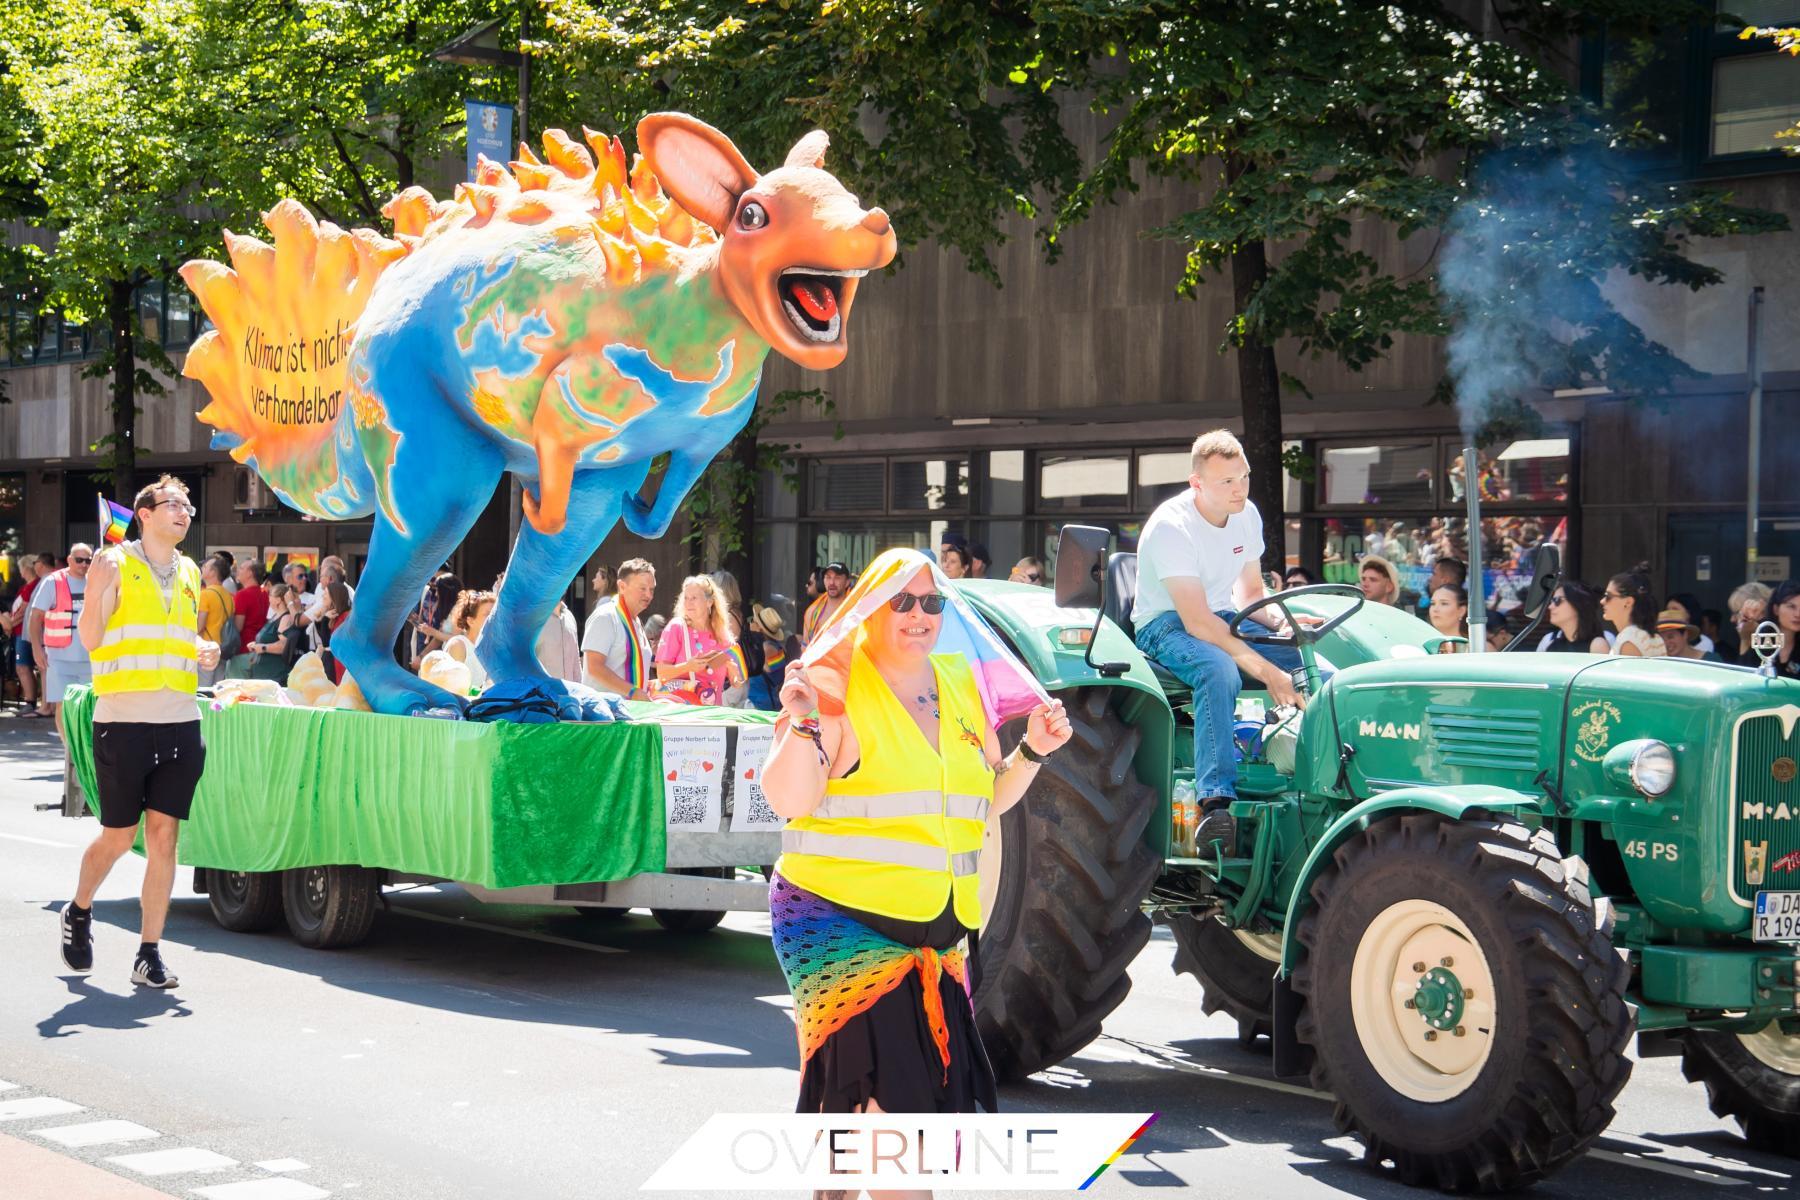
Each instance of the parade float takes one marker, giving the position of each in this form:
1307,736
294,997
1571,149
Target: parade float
597,330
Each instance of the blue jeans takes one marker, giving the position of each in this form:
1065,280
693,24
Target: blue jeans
1214,677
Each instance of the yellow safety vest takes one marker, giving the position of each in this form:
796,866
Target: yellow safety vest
147,647
901,834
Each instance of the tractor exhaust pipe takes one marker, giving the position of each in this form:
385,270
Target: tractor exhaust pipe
1477,577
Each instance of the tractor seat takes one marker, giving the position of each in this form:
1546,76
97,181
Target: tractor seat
1119,599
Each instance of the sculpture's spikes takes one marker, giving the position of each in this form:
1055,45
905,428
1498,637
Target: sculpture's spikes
531,176
566,155
643,179
525,155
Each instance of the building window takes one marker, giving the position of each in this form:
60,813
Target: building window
846,486
1715,101
1399,473
930,485
1068,483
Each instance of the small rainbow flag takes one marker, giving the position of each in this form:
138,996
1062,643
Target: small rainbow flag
736,654
115,519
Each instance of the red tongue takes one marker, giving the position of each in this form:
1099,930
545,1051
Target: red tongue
819,301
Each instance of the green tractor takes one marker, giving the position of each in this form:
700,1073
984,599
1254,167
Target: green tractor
1462,882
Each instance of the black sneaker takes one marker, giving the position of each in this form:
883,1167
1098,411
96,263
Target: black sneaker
78,938
149,971
1216,825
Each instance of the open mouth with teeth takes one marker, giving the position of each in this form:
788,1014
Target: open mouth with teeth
811,298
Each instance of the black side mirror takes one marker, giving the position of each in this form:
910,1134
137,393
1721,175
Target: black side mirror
1081,566
1545,578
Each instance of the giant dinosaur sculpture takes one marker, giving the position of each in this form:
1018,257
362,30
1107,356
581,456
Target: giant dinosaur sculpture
567,320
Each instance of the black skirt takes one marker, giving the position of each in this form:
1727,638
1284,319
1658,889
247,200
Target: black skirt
887,1051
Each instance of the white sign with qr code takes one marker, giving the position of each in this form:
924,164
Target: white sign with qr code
750,811
694,767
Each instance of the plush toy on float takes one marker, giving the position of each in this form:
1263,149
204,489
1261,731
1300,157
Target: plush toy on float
569,321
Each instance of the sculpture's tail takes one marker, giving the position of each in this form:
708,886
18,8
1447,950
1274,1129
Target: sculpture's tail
276,363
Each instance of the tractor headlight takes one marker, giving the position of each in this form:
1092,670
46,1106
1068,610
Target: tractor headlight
1646,765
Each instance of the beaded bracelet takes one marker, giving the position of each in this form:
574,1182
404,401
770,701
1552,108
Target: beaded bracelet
809,728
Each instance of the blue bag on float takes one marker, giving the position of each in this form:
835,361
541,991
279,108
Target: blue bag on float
529,702
1246,737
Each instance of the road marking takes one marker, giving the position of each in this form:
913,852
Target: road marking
19,837
35,1106
179,1161
279,1165
465,923
96,1133
263,1189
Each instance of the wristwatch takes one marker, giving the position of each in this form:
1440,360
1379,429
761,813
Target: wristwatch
1033,755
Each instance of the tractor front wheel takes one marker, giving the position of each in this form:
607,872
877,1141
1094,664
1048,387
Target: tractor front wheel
1064,873
1466,1006
1753,1078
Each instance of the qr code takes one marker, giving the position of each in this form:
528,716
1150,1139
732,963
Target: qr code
687,804
756,806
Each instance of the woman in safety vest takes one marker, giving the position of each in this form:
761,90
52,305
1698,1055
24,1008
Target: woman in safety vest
887,767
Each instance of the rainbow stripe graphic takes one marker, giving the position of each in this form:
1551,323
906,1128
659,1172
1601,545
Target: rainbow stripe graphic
1123,1147
736,654
115,519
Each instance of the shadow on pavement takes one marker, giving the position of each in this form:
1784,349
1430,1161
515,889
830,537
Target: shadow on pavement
92,1008
480,972
1203,1108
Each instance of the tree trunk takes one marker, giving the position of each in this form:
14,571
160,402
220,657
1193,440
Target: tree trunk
741,562
1259,386
121,463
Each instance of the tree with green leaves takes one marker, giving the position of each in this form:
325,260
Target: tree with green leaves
1301,126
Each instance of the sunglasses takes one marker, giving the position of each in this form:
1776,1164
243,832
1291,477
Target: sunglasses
931,602
1030,576
1555,601
81,561
1613,596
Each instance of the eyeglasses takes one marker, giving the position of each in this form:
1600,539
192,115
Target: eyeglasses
931,602
81,562
1610,595
1556,601
179,505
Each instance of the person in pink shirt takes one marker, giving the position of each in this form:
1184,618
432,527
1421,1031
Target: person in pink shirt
693,658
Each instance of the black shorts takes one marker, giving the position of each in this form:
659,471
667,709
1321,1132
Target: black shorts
140,766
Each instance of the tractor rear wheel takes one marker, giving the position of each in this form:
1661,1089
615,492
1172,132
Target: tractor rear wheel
1064,873
1235,969
1466,1006
1753,1078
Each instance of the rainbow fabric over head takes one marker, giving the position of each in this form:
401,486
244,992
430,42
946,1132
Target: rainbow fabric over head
115,519
1008,690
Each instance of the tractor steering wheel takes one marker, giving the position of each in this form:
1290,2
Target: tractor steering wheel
1298,634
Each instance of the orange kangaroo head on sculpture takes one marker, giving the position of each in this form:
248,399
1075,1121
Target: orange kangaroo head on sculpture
793,243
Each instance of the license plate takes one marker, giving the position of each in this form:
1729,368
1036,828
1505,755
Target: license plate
1777,917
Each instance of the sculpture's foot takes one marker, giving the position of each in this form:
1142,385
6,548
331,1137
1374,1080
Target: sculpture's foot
392,690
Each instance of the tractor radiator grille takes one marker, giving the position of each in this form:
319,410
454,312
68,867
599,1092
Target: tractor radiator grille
1497,739
1765,849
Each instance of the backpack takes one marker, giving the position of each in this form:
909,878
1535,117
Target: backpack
229,642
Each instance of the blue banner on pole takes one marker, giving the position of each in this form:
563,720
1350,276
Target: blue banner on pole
490,132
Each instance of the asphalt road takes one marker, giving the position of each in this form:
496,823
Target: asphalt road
470,1051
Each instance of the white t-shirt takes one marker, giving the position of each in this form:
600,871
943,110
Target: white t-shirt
1178,543
605,635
